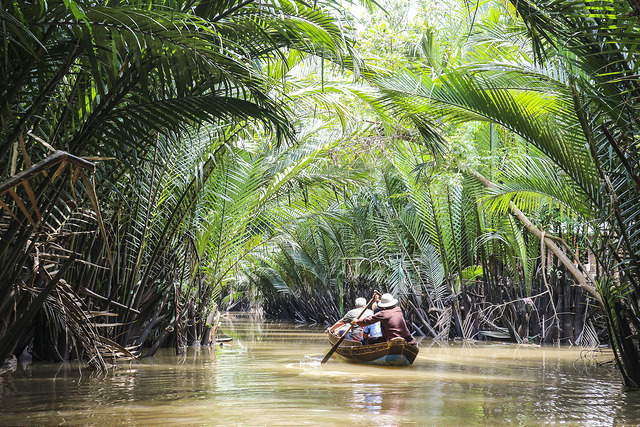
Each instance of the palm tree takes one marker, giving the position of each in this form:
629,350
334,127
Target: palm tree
595,50
117,83
572,100
427,242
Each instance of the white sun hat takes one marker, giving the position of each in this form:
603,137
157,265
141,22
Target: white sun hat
361,302
387,300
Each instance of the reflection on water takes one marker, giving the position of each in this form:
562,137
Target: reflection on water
271,375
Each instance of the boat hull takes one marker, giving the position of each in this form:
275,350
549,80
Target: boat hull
390,353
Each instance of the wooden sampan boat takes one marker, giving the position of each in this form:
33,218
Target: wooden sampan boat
396,352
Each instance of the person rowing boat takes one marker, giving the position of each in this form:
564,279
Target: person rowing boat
391,320
354,314
398,349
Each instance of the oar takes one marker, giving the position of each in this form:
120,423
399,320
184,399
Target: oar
335,346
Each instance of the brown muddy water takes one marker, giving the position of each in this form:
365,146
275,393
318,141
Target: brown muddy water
270,375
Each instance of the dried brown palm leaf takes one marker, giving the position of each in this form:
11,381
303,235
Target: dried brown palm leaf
444,324
73,315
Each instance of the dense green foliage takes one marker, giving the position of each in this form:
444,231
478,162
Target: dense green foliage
168,98
471,159
558,148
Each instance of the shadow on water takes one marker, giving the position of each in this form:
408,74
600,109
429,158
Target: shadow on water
270,374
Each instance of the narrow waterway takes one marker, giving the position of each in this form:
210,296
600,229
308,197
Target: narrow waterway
271,375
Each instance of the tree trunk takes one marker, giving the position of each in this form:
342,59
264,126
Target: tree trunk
582,279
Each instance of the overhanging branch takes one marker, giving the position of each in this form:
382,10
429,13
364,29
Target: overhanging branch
584,280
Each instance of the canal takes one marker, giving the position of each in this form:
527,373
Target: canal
270,375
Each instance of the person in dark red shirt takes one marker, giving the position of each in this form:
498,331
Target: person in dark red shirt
390,318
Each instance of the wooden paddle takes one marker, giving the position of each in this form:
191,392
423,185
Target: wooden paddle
336,345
